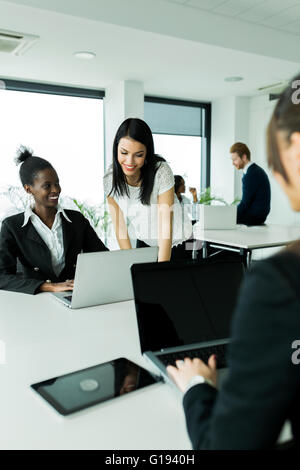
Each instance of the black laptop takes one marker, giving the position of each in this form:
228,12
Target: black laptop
185,309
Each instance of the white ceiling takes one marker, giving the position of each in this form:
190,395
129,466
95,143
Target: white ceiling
277,14
177,50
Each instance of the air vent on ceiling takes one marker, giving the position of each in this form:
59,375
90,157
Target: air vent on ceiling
273,90
15,43
269,87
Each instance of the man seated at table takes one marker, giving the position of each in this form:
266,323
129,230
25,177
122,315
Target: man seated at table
255,204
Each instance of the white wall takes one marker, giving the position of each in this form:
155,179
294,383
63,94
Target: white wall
122,100
230,123
222,136
260,112
241,123
244,119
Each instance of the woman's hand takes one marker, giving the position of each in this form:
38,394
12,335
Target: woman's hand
193,192
188,368
119,224
165,224
57,286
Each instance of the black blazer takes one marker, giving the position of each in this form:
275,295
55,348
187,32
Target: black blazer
255,204
262,388
23,244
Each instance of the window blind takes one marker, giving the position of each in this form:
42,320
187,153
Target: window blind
174,119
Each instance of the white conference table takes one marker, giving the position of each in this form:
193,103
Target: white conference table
245,239
43,339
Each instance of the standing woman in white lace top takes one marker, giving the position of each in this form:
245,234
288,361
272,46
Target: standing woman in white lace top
139,186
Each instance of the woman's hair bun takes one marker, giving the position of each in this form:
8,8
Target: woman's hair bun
23,153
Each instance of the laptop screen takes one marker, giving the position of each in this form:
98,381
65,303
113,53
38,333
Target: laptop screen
180,304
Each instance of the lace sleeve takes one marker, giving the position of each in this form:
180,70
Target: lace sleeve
107,182
165,178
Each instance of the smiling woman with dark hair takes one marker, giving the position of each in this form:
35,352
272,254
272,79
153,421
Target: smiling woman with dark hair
261,390
45,239
139,186
191,206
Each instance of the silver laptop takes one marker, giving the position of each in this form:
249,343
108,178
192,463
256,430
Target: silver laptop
217,217
184,310
104,277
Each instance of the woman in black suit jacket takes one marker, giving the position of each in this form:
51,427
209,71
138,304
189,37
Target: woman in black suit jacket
46,239
262,388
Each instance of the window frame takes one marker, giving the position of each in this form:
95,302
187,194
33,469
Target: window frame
47,88
61,90
205,131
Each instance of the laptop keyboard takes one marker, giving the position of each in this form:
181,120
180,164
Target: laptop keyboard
68,297
202,353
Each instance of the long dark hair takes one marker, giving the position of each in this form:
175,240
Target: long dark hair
178,182
137,130
286,118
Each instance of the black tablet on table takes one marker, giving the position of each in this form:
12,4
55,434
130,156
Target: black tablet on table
87,387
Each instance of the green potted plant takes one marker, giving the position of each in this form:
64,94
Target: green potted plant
206,197
98,216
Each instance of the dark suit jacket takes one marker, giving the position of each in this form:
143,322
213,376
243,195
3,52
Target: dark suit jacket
255,204
23,244
262,389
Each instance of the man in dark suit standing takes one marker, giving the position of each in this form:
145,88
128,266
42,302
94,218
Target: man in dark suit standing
255,204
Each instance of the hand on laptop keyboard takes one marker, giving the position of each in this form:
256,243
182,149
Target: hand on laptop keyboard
49,286
203,353
186,369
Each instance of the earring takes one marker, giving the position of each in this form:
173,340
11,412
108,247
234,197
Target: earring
31,201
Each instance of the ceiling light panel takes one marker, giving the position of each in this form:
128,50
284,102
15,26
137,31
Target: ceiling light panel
293,27
277,21
205,4
267,9
86,55
236,7
177,1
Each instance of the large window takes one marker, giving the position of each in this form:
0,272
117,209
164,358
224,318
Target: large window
62,125
181,132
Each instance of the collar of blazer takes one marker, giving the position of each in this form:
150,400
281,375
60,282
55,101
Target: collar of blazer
68,233
31,233
43,254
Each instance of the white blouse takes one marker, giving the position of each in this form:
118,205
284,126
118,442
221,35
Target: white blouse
191,207
144,218
52,237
